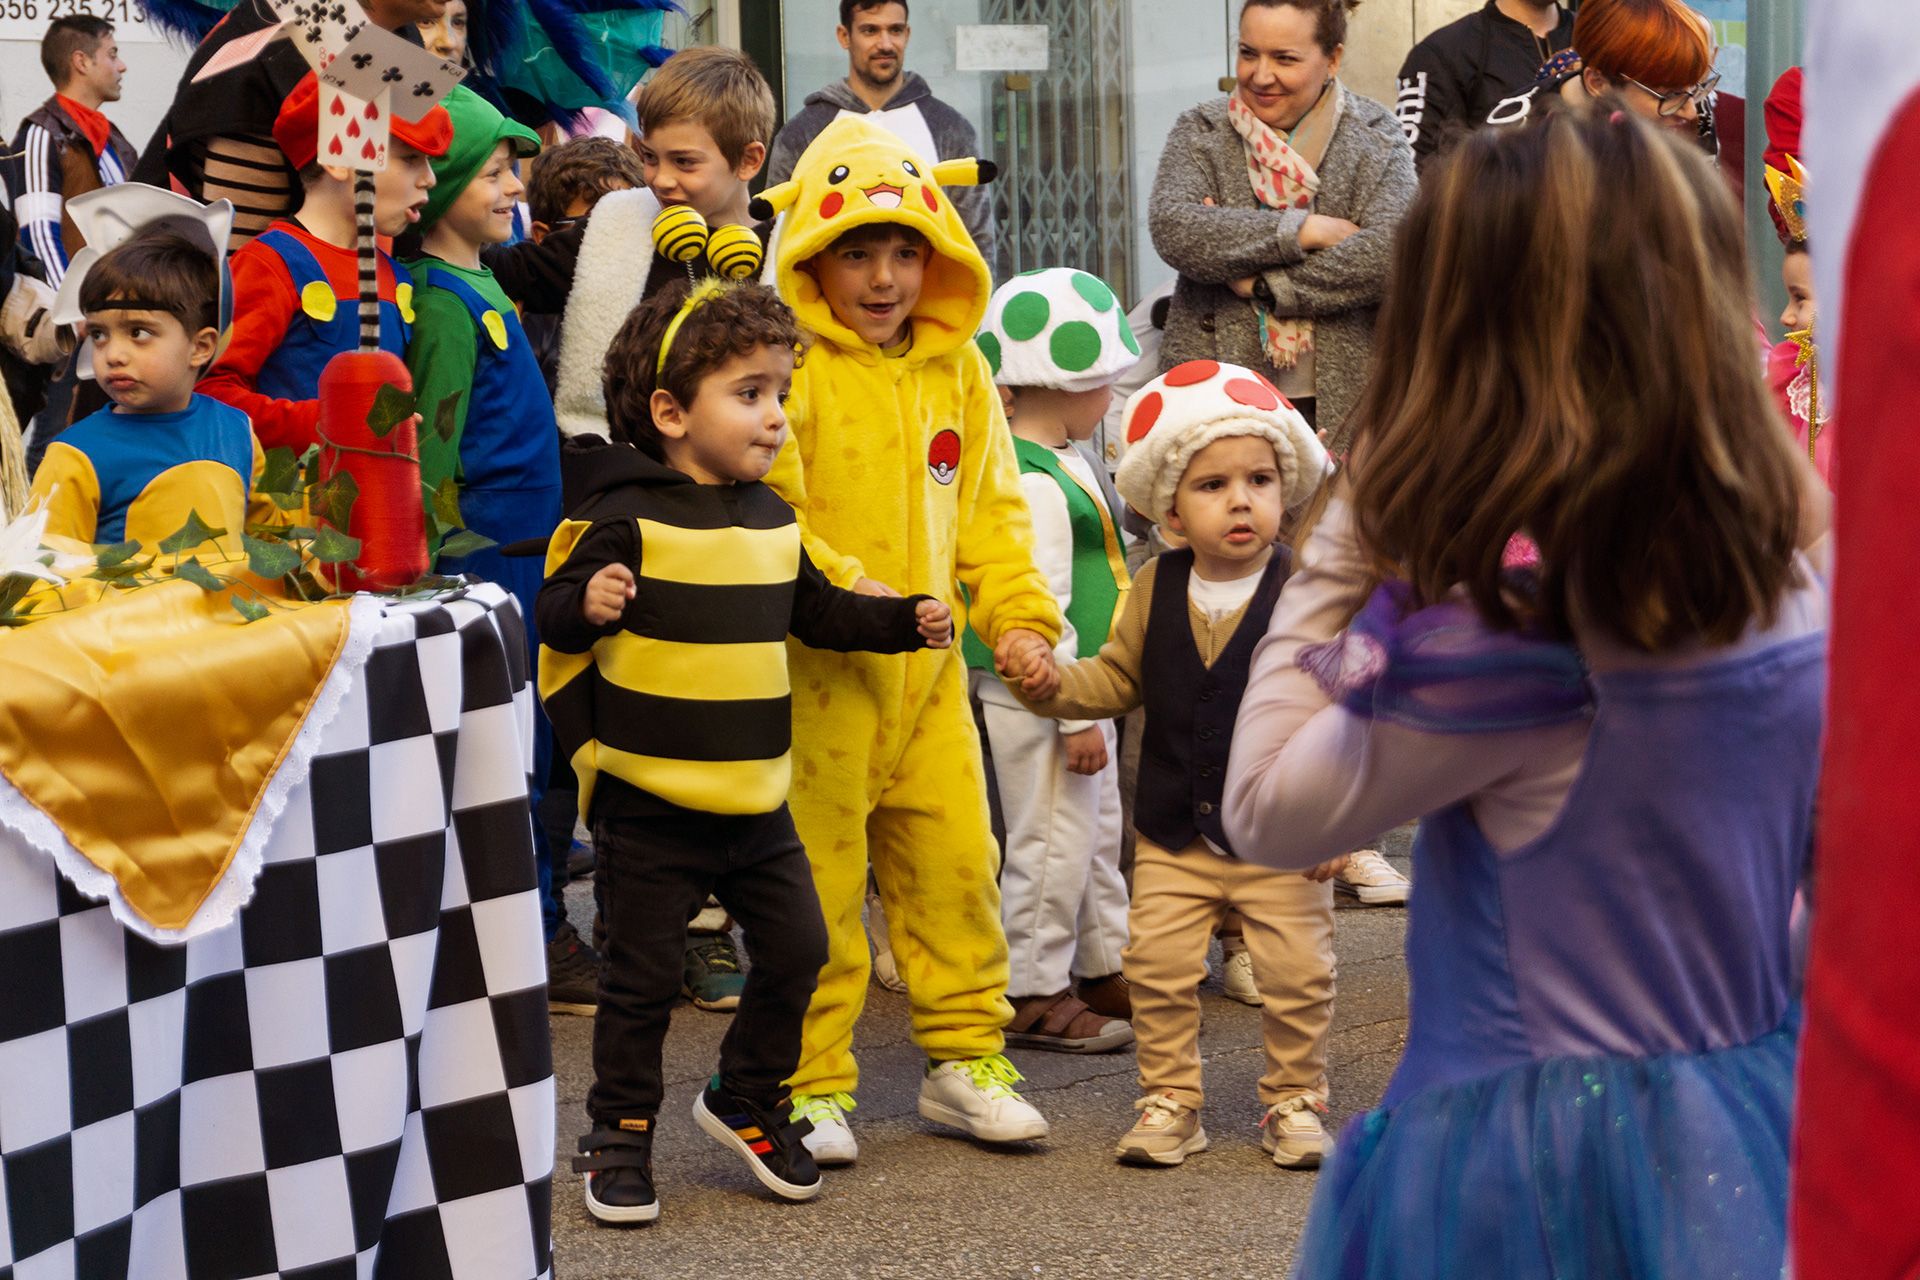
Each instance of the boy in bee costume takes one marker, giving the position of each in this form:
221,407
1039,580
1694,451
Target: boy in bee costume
903,473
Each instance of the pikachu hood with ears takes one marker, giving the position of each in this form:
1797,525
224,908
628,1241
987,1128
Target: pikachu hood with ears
855,174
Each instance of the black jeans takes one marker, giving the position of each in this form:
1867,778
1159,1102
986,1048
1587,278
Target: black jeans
653,874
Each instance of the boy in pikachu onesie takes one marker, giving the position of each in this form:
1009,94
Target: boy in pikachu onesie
903,473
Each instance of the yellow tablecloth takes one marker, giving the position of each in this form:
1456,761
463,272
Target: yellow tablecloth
146,725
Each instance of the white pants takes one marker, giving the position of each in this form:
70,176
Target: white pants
1061,893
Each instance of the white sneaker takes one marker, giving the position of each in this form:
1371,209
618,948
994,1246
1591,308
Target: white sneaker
1165,1134
1372,879
1236,972
977,1094
1292,1131
831,1141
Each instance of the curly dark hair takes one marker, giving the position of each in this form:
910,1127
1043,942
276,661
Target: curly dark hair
583,168
736,320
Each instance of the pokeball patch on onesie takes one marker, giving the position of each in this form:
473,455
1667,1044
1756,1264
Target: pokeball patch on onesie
943,457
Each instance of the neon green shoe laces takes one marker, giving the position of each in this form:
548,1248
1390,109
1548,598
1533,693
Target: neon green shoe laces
822,1107
992,1075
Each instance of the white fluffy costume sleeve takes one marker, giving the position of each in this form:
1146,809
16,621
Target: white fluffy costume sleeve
902,470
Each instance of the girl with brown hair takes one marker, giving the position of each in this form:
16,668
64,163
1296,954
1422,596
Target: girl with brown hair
1614,752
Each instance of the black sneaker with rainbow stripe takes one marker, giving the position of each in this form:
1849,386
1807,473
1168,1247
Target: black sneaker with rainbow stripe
767,1138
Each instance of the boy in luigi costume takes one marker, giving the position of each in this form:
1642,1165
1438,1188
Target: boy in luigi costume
1056,340
503,457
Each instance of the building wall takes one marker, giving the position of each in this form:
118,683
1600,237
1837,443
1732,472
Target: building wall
153,70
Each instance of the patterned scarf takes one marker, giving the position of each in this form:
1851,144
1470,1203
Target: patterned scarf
1281,168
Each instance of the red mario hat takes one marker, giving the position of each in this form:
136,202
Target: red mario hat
297,127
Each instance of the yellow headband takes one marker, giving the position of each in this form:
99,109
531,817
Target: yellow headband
704,292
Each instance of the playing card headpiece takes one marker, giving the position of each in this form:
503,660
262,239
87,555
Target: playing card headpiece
110,216
1192,405
297,128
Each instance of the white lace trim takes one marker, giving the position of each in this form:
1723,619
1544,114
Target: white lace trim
235,886
1800,398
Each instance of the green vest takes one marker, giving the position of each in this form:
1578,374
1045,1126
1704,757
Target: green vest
1100,578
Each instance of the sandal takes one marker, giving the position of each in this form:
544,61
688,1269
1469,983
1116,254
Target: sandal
1062,1024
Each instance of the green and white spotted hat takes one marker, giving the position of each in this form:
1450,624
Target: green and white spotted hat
1058,328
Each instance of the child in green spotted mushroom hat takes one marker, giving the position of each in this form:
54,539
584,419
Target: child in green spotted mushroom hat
1057,339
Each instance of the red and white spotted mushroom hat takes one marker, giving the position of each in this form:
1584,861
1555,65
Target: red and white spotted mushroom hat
1190,406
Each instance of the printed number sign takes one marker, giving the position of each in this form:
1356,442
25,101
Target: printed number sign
28,20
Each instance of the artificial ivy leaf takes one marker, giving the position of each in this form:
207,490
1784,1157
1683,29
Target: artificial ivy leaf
444,424
281,472
335,547
391,407
446,504
301,533
251,610
194,533
269,558
310,466
12,588
196,573
464,542
334,500
123,573
108,556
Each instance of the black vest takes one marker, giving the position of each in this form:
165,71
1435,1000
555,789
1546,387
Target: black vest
1191,707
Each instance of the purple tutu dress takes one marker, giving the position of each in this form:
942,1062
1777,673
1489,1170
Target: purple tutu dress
1599,1063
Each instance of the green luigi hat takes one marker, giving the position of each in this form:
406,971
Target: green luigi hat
1057,328
478,127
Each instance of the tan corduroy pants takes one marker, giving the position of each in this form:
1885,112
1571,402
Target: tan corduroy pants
1178,901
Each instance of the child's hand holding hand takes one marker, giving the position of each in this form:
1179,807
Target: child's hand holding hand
1327,870
1027,657
1086,751
607,593
936,623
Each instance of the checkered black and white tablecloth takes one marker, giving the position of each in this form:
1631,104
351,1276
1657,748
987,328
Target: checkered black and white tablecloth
353,1078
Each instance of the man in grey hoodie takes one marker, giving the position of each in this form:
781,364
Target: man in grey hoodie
874,33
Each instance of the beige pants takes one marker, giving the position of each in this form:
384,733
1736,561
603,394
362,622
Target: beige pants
1178,901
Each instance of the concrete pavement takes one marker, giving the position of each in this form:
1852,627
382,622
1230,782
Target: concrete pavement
923,1203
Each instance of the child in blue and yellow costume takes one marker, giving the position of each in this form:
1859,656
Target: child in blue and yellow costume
297,284
151,293
902,471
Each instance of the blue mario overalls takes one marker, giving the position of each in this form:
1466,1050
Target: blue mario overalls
509,476
324,325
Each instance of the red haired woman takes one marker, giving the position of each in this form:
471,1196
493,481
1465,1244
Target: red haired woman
1655,57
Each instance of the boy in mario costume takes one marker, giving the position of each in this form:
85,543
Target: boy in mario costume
903,473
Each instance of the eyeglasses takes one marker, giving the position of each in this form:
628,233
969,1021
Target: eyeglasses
1673,103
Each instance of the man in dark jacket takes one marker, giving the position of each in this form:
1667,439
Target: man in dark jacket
1461,72
874,33
66,147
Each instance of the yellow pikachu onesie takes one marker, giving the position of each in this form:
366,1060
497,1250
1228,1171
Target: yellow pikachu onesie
902,470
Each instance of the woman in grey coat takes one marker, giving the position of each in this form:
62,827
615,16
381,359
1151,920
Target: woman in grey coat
1284,279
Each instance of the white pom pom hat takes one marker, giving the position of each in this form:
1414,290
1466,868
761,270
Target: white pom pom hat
1190,406
1057,328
